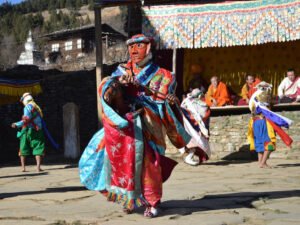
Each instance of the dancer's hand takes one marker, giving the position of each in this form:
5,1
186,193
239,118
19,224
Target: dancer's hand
125,79
171,98
13,125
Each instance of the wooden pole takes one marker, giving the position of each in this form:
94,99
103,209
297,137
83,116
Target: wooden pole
129,11
99,57
174,61
106,42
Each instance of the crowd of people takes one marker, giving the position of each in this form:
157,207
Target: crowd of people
218,94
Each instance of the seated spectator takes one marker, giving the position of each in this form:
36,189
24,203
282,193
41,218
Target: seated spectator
289,88
248,89
217,94
196,79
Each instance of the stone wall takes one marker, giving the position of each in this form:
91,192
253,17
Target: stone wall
229,136
228,133
58,89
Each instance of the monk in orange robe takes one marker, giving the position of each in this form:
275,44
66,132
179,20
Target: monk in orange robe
248,89
217,93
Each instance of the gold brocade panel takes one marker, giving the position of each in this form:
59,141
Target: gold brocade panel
11,93
5,99
269,62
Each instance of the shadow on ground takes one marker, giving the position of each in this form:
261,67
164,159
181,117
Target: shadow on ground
47,190
71,166
243,153
288,165
53,159
226,162
25,175
222,201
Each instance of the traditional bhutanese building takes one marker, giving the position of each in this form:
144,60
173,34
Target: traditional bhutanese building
228,38
223,38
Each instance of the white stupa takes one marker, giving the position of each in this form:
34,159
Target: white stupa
28,56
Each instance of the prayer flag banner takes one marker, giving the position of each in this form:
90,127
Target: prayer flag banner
222,24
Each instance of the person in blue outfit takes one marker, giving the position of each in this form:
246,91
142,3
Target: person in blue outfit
265,124
32,140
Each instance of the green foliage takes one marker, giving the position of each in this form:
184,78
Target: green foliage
61,4
32,6
70,4
17,20
91,4
21,28
52,5
20,18
36,20
78,4
59,20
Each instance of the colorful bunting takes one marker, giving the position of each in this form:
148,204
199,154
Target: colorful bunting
223,24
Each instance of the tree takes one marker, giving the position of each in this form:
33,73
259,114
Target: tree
78,4
7,23
10,50
16,20
91,4
70,4
46,27
21,28
28,7
37,20
5,8
74,21
84,2
52,5
66,21
62,4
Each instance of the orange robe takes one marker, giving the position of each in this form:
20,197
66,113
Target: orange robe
248,90
220,94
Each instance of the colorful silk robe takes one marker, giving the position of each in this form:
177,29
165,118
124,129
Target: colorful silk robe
31,118
248,90
261,135
264,125
124,160
196,113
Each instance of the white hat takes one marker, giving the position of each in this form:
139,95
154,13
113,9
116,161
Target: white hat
264,86
196,92
260,96
26,97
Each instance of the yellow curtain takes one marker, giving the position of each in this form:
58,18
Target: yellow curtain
11,93
268,61
5,99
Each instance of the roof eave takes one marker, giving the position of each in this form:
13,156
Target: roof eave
108,3
113,3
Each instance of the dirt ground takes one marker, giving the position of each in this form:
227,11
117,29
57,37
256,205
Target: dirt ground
215,193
